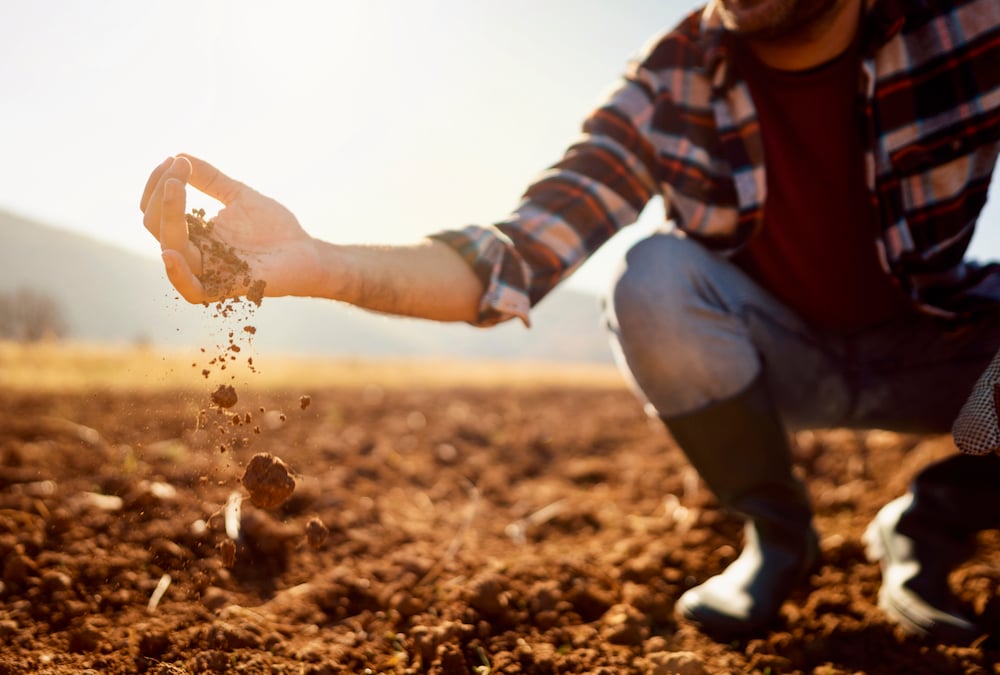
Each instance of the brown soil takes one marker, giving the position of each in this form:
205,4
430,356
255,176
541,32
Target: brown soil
224,396
316,532
468,531
224,273
268,480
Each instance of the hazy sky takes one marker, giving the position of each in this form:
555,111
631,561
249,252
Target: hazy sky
372,120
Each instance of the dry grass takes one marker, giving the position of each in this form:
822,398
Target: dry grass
76,367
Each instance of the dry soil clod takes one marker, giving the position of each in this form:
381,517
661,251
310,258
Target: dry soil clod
268,480
224,396
316,532
227,552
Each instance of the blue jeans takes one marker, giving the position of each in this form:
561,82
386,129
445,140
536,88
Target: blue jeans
691,329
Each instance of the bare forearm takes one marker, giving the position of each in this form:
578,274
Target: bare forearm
426,280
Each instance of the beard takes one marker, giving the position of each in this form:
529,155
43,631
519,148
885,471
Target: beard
772,19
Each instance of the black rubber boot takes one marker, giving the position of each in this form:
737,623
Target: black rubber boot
740,448
922,536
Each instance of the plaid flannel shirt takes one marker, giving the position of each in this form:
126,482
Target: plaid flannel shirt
682,125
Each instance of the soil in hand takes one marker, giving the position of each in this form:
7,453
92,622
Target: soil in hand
268,480
224,273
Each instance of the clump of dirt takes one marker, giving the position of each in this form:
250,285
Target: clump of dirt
227,552
304,402
268,480
223,271
316,532
224,396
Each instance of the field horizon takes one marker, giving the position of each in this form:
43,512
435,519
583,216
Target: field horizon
67,366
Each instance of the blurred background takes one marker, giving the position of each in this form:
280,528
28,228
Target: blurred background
372,120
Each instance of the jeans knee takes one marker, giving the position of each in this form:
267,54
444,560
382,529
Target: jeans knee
654,278
673,333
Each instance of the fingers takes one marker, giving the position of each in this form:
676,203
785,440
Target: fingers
151,183
178,169
180,275
213,182
173,231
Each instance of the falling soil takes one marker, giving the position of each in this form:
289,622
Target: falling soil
304,402
224,396
225,274
496,537
268,480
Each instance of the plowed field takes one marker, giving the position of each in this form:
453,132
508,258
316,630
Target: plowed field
431,529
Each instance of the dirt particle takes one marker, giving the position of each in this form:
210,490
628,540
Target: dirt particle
225,396
304,402
227,552
250,329
268,480
316,532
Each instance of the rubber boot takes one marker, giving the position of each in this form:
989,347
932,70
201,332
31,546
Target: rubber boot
922,536
740,448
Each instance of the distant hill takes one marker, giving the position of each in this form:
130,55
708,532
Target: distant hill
111,295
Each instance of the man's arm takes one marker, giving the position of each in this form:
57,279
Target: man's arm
427,280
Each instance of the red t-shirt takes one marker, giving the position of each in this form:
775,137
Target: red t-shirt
816,250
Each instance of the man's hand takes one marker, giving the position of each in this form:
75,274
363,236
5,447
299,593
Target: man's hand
427,279
261,231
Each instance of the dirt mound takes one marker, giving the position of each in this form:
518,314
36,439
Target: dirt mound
438,531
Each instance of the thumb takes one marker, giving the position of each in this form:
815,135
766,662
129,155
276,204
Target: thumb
182,278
